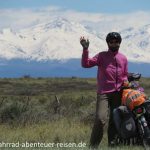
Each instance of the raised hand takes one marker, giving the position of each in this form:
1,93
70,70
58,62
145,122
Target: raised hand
84,42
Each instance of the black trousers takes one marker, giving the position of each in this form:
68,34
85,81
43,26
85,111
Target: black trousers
104,111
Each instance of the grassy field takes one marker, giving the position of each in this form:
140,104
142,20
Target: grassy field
50,110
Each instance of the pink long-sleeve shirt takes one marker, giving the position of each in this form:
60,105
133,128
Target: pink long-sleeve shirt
112,69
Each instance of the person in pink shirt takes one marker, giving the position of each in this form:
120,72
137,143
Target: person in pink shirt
112,72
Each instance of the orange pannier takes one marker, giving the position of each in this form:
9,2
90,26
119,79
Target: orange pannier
132,98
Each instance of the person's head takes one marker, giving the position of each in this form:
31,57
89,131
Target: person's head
113,40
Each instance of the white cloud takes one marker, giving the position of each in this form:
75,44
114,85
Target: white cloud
21,18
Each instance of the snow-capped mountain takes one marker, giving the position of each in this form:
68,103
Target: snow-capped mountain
52,48
58,39
137,43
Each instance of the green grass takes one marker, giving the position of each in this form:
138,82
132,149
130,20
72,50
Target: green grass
27,111
62,131
58,131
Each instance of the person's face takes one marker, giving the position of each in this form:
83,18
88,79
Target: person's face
113,45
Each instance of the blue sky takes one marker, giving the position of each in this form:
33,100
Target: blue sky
104,6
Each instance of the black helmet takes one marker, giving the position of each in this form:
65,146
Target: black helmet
113,35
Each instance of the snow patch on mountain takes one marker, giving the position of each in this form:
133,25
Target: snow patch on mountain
58,39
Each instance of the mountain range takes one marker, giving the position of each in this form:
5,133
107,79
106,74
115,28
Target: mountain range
52,48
